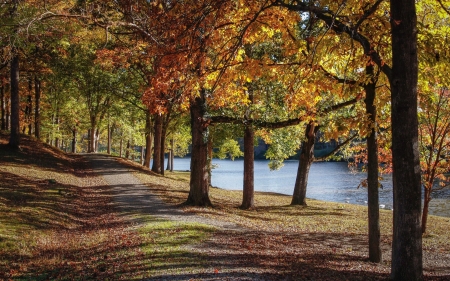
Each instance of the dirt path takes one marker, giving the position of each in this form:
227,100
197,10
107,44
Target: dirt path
134,198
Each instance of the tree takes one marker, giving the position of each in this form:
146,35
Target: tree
434,129
407,237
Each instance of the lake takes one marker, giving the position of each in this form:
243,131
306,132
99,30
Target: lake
328,181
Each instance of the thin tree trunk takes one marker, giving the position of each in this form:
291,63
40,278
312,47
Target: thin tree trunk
407,261
426,204
172,154
304,165
148,139
168,160
37,107
29,106
210,153
199,185
109,137
127,152
121,146
156,167
8,113
249,162
97,139
163,145
74,140
375,254
14,137
142,155
3,106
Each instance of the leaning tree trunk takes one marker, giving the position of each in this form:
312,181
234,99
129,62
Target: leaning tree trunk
156,167
375,254
199,185
407,233
148,138
37,107
14,137
304,165
249,162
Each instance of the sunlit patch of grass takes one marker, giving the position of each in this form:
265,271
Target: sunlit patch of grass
166,246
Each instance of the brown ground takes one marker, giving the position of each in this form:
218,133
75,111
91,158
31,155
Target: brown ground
87,236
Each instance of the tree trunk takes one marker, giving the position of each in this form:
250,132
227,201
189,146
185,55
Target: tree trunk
249,162
121,146
74,140
14,137
8,113
210,153
142,155
168,167
426,204
37,108
163,143
407,233
156,167
199,185
172,155
108,149
3,106
148,139
29,106
97,139
91,148
304,165
375,254
127,152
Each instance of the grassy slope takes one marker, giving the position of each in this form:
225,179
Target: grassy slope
57,222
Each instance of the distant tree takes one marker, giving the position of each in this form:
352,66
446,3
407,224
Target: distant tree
434,135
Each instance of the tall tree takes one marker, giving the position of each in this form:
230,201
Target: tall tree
407,233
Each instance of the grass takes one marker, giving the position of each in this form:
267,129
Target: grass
273,212
58,222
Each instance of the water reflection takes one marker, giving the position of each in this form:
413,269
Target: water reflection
328,181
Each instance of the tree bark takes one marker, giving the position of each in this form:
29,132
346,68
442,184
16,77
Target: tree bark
148,138
3,106
165,123
74,140
29,106
249,162
172,155
407,234
14,137
127,151
37,107
304,165
108,149
91,148
375,254
199,185
121,146
156,167
426,203
168,167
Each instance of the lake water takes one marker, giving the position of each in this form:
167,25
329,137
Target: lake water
328,181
